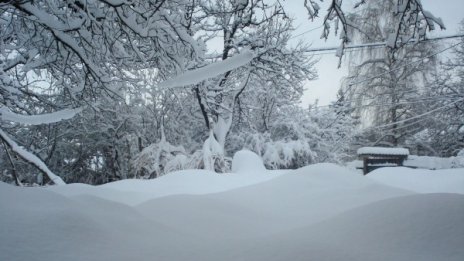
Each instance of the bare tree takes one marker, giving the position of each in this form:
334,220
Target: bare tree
386,84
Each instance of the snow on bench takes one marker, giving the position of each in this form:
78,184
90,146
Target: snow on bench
382,151
377,157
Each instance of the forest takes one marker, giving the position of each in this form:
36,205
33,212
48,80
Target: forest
94,91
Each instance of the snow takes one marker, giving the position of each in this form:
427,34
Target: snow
185,182
422,162
47,118
319,212
383,151
391,39
417,227
54,25
209,71
211,150
421,180
247,161
428,162
431,19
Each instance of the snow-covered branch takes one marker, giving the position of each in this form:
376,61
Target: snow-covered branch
209,71
47,118
411,21
31,158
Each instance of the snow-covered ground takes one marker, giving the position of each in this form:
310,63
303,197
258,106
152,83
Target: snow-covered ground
319,212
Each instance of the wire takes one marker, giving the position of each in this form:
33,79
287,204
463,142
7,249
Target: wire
349,49
397,104
417,116
380,44
305,32
350,85
408,64
346,51
422,100
412,100
313,29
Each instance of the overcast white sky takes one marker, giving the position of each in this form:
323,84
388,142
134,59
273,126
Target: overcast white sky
325,88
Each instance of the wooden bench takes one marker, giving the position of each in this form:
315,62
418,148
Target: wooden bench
378,157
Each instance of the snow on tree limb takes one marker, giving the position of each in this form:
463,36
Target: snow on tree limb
51,23
46,118
209,71
31,158
412,22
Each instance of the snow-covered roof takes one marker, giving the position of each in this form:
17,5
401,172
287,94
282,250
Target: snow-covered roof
383,151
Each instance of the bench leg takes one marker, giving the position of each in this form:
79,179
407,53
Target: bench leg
365,166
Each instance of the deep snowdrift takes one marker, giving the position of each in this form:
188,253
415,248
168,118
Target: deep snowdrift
421,180
40,225
191,182
417,227
320,212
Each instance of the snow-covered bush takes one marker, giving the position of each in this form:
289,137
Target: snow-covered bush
279,154
178,162
274,154
257,142
253,141
214,162
461,153
298,137
458,161
210,157
158,159
290,154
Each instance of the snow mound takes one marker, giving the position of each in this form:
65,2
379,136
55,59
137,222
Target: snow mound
129,197
421,180
247,161
419,227
427,162
41,225
320,212
301,197
191,182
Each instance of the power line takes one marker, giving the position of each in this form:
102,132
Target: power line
413,92
305,32
424,100
379,44
405,126
346,51
350,85
415,101
417,116
313,29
